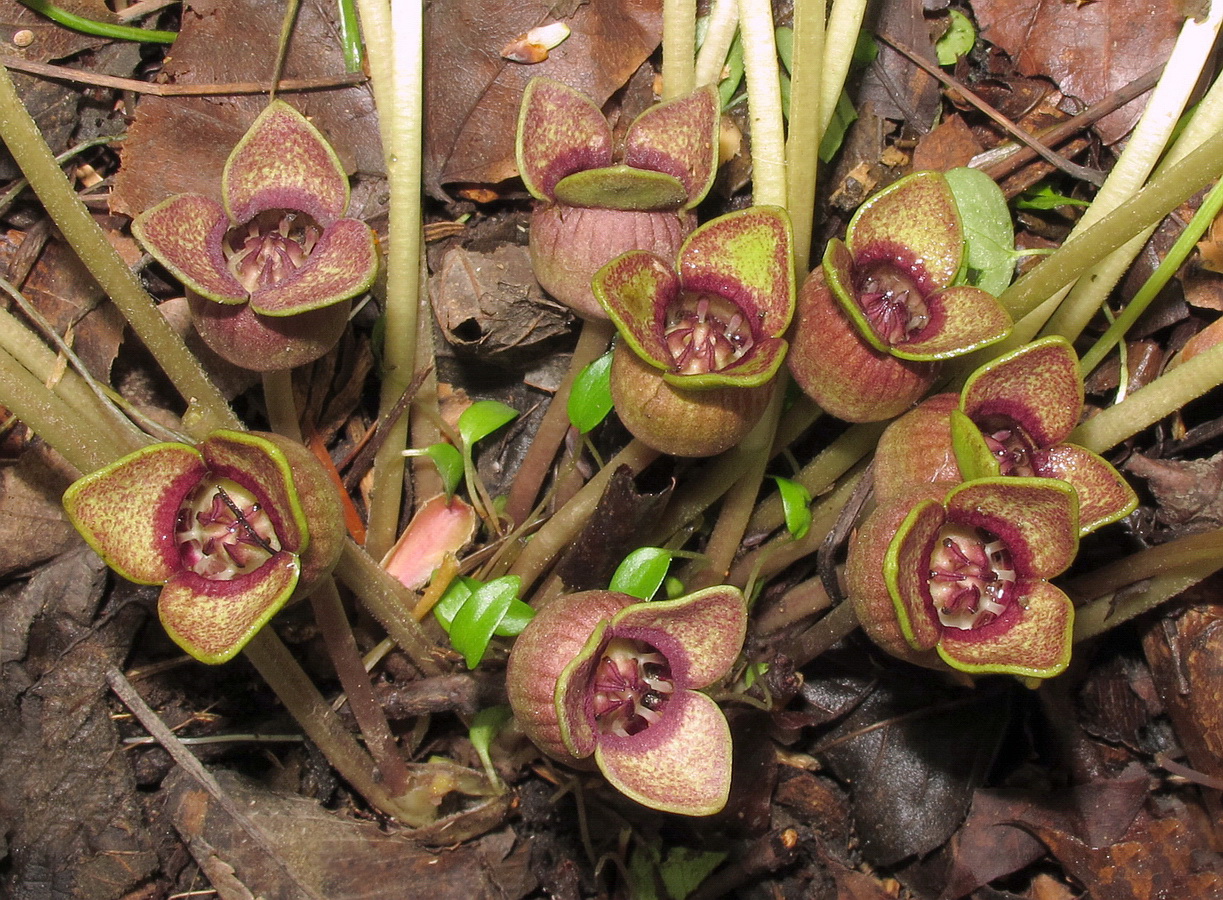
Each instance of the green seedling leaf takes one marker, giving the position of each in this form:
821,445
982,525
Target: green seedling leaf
1043,197
483,730
683,869
795,505
734,72
753,672
842,117
590,400
476,621
989,234
642,572
784,36
482,418
643,872
956,40
453,599
449,462
517,617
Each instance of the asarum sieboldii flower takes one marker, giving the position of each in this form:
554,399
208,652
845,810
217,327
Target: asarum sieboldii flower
601,675
1011,418
960,574
875,321
270,270
596,202
230,528
701,339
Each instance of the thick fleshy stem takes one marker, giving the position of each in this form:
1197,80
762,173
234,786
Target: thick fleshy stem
1142,581
764,102
719,35
678,47
806,127
592,342
208,410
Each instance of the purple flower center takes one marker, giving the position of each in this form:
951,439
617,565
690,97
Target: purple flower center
1009,444
972,578
632,684
270,247
892,301
706,333
222,531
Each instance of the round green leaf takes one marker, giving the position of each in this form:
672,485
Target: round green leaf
482,418
956,40
474,624
795,505
642,572
590,399
989,235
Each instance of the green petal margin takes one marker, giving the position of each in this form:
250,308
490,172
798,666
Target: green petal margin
1104,496
283,162
746,257
635,290
573,696
972,453
708,626
128,510
1037,645
838,270
680,138
213,620
184,234
906,567
1037,386
1037,519
262,468
681,765
917,213
560,131
621,188
343,264
962,319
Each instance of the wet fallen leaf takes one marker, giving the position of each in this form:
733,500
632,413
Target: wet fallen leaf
472,96
1089,50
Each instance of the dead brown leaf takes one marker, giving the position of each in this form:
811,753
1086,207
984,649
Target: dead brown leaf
1188,492
1090,50
338,858
179,144
33,527
472,95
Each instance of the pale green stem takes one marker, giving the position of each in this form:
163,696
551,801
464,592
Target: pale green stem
818,475
1168,267
282,407
840,38
1142,581
402,123
805,127
678,47
84,397
303,701
375,19
1162,397
821,636
390,603
764,102
51,418
560,530
719,35
207,408
756,450
1171,187
1142,151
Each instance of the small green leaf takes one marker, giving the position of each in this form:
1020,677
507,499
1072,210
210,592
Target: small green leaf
590,399
449,462
753,672
684,869
482,418
1043,197
734,72
484,727
784,36
642,572
643,872
989,234
474,624
517,617
956,40
452,600
795,505
842,117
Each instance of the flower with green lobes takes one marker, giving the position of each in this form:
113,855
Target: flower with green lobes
230,528
270,270
1011,418
596,202
958,575
701,339
876,320
600,675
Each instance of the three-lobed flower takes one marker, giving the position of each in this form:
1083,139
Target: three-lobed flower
601,676
269,268
230,528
